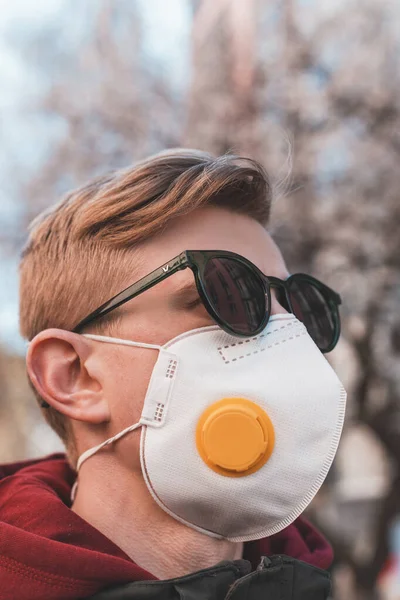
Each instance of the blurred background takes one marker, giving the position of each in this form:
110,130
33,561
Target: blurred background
90,86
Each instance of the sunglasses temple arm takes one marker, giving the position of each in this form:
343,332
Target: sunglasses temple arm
174,265
147,282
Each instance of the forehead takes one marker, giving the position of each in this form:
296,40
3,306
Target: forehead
212,228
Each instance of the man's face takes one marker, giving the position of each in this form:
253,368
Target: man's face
172,307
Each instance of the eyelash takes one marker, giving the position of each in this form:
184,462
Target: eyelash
194,303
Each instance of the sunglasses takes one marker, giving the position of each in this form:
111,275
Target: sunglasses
237,295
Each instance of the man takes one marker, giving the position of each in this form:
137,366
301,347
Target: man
167,351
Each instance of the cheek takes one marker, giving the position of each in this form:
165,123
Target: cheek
128,381
127,386
163,325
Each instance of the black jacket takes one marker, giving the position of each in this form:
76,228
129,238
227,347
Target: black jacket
276,578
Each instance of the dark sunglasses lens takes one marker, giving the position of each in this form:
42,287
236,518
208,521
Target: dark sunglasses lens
236,294
313,309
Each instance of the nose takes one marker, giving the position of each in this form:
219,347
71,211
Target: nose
276,307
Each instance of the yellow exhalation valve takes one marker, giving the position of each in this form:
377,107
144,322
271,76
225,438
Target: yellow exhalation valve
235,437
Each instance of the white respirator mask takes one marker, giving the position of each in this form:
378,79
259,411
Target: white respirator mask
238,434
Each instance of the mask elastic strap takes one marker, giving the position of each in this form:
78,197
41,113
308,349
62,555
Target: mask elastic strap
92,451
110,340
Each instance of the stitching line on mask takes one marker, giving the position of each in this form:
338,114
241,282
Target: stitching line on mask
262,335
292,337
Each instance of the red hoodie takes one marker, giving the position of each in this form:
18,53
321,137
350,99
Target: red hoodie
47,551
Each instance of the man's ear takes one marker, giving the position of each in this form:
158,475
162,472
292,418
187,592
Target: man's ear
64,370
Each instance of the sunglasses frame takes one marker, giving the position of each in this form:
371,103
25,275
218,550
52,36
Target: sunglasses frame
196,260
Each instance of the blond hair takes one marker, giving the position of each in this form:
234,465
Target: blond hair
67,268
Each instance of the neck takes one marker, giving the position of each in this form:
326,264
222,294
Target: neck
117,503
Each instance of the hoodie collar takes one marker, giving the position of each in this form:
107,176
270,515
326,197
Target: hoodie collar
45,548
